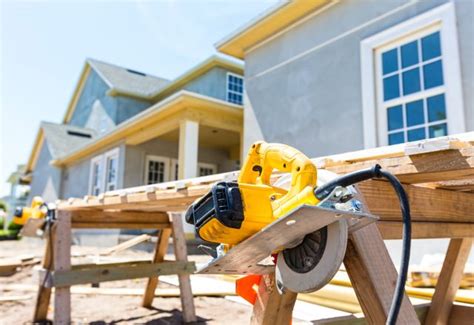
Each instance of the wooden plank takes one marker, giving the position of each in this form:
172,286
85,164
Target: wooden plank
43,295
127,244
449,280
120,225
180,251
86,266
460,315
158,257
430,167
425,204
272,308
245,257
373,275
62,263
434,145
419,230
115,273
114,216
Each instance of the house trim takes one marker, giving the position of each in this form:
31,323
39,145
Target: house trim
445,17
163,117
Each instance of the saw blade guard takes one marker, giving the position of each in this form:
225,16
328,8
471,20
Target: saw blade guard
312,263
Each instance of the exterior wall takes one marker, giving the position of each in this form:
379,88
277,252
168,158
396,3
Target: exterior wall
46,179
94,102
135,158
213,83
76,177
308,79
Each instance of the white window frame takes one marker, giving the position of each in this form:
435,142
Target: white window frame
206,165
232,91
166,171
374,118
102,160
112,154
174,164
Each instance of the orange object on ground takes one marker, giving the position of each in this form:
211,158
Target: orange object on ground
247,287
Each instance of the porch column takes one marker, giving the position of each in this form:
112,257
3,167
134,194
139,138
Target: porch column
188,149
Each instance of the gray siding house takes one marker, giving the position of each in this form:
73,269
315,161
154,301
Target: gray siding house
329,76
124,128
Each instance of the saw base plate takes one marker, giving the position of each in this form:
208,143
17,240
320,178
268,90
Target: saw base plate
248,256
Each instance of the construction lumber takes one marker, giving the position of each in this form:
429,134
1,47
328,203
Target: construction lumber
373,275
460,315
119,219
158,257
62,263
180,251
104,273
449,280
127,244
425,204
160,292
13,298
43,295
425,230
9,266
271,307
422,168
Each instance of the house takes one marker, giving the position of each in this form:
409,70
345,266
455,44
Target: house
124,128
330,76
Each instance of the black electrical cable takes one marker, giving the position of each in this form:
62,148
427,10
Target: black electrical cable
377,172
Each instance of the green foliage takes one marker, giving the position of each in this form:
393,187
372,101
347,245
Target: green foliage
3,206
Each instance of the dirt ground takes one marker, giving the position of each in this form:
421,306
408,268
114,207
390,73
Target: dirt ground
102,309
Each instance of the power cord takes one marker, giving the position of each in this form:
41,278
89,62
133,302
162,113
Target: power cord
377,172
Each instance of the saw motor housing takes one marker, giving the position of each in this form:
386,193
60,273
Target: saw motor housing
231,212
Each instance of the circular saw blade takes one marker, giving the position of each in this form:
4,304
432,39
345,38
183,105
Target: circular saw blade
314,262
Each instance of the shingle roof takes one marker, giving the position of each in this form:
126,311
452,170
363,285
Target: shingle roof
63,139
128,81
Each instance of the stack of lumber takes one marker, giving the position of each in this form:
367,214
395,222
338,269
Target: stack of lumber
438,175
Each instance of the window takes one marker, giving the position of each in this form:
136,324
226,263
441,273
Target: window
206,169
411,80
156,170
413,89
111,173
235,88
104,172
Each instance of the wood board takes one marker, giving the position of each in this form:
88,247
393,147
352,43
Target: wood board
245,257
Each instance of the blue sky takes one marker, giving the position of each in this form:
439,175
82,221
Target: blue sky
44,45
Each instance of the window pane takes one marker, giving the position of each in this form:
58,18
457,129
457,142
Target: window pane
391,88
436,108
415,113
409,54
396,138
389,61
411,81
431,46
416,134
433,74
438,130
395,117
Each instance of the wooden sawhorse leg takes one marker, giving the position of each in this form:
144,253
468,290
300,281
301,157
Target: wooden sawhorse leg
180,251
373,277
449,281
271,308
58,257
158,257
43,295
